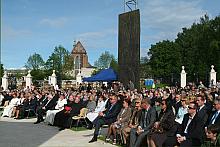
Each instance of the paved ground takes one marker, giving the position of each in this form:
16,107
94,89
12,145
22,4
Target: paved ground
23,133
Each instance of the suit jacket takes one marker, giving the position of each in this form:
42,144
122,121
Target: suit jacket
29,104
150,118
176,106
167,120
50,105
135,117
203,114
194,131
125,116
217,120
112,113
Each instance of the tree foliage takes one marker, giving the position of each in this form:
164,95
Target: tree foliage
164,58
145,69
197,48
114,65
104,60
35,62
61,61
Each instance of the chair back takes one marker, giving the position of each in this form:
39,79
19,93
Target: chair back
83,112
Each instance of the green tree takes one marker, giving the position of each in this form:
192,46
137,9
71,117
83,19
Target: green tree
38,74
35,62
196,47
145,69
61,61
114,65
104,60
199,47
164,59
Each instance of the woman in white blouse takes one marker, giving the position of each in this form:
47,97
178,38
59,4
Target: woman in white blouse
182,111
51,113
99,108
8,109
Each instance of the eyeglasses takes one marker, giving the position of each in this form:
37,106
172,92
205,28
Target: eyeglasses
163,104
137,102
190,107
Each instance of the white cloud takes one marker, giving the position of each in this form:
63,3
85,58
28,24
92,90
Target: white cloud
56,22
98,39
167,17
12,33
91,35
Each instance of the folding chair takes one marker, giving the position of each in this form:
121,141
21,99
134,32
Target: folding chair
80,117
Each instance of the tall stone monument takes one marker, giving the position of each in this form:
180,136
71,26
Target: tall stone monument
78,78
53,79
212,80
183,77
5,81
28,79
129,48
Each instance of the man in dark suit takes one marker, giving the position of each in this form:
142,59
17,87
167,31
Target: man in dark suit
47,104
202,109
190,132
215,116
177,103
147,119
107,117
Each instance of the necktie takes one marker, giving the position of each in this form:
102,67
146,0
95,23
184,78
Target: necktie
110,109
214,117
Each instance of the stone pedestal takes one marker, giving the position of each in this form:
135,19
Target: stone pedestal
78,78
212,80
5,81
28,80
53,79
183,77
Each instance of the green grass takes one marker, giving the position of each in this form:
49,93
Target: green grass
78,129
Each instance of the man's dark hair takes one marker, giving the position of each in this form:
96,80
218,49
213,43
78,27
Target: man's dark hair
195,105
146,101
202,97
213,128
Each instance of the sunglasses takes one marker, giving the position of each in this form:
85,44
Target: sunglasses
190,107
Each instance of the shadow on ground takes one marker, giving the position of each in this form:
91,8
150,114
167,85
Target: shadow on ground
25,134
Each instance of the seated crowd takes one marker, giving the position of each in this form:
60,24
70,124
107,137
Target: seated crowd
157,117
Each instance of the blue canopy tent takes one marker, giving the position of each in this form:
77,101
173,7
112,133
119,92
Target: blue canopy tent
105,75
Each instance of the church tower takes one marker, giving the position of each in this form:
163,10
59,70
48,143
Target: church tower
80,57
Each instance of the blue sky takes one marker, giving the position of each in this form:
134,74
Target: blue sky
30,26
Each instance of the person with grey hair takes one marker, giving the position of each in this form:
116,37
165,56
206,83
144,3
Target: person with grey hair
215,116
